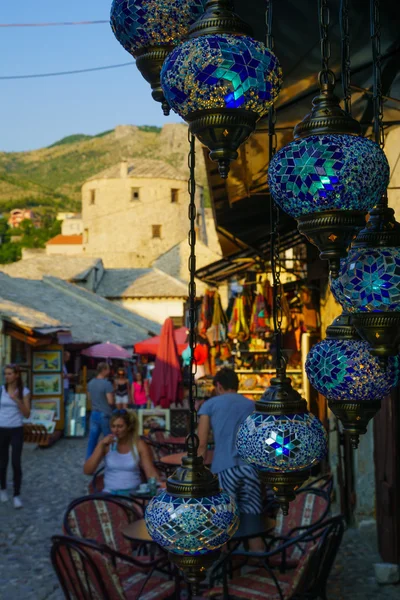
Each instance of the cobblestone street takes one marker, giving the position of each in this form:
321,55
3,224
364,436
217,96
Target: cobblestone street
53,477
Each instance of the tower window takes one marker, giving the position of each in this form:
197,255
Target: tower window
156,230
174,196
86,236
135,194
92,196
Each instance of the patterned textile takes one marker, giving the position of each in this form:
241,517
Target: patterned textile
244,485
102,521
259,585
155,588
305,511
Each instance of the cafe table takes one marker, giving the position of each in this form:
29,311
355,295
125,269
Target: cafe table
174,460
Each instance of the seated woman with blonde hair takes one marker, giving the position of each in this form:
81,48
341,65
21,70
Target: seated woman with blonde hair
124,454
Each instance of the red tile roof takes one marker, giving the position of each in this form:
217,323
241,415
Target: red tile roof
66,240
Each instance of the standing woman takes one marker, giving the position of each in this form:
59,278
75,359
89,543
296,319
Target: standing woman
122,389
140,391
14,407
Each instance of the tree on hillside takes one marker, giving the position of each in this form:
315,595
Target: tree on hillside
30,237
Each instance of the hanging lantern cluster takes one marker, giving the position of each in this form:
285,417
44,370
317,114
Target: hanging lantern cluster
221,81
149,30
357,365
329,177
342,369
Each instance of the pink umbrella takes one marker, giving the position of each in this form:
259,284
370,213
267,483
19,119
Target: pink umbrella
165,383
107,350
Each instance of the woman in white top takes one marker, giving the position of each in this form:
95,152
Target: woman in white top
14,407
124,454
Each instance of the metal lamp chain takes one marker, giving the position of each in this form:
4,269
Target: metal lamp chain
192,440
324,21
346,62
269,40
377,72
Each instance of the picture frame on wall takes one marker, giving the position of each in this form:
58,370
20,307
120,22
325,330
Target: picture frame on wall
46,361
153,418
47,385
52,404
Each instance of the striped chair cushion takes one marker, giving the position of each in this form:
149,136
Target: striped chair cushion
155,588
259,584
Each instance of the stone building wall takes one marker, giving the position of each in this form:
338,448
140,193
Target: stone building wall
122,228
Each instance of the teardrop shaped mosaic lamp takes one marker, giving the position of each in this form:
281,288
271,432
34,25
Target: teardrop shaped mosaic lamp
282,440
329,177
221,81
354,382
150,29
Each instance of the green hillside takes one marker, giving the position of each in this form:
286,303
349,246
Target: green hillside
52,177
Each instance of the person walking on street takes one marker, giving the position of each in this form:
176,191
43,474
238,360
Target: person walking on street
224,414
140,392
101,396
14,407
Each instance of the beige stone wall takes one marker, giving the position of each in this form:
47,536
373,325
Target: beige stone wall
119,229
64,250
72,227
155,309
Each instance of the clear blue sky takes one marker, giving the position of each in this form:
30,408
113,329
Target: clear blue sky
37,112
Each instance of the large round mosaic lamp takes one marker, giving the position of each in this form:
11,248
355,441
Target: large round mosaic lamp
150,29
369,282
192,519
353,381
282,440
221,81
329,177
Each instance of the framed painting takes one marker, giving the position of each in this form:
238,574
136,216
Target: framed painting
46,361
154,418
47,385
48,404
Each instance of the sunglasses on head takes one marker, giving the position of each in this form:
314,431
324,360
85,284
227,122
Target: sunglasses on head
120,411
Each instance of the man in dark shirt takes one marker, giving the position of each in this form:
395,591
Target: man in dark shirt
101,395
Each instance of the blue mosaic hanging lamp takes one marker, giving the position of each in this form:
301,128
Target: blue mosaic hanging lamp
353,381
329,177
221,81
368,285
281,439
193,518
149,30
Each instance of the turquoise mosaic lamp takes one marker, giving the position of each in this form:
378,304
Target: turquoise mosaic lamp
329,177
221,81
354,382
193,518
150,29
368,285
282,440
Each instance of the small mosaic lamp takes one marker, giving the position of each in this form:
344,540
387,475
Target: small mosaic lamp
282,440
369,282
193,518
221,81
354,382
149,30
329,177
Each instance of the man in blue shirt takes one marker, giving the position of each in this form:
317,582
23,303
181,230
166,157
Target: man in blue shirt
224,414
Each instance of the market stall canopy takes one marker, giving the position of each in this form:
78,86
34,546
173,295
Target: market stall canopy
166,378
151,345
241,203
107,350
